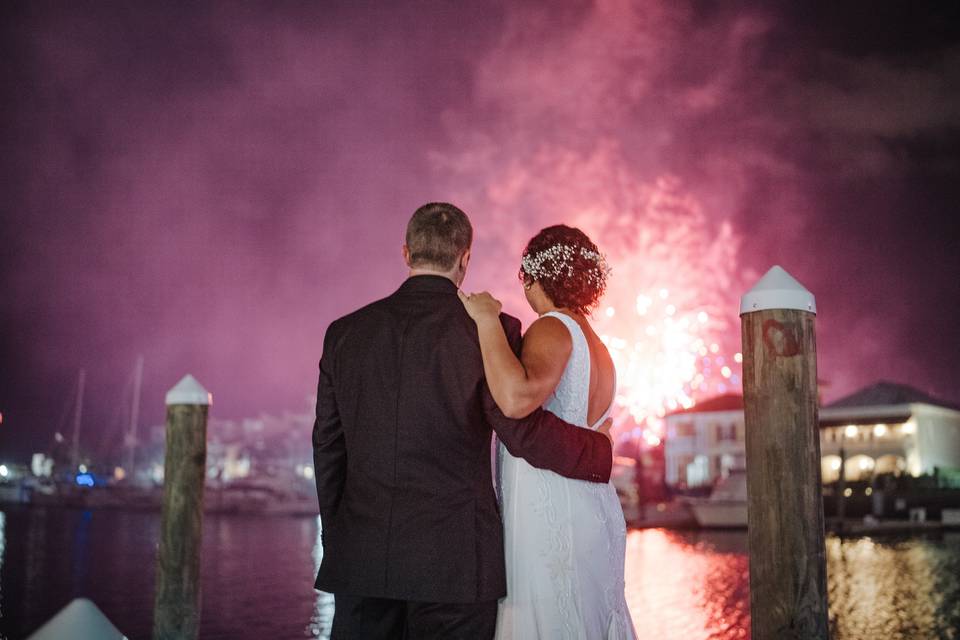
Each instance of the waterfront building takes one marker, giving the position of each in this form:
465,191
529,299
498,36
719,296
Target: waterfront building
883,428
703,443
888,428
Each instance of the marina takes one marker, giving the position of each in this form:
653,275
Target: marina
258,572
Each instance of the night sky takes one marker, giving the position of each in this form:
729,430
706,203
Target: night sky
209,186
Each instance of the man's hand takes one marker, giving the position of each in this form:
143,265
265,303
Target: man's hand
605,429
480,306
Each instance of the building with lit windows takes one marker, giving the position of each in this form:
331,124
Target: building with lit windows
884,428
888,428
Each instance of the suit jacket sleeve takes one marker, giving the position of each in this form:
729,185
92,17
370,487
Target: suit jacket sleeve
329,446
546,441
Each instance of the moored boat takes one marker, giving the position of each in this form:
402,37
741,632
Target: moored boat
726,508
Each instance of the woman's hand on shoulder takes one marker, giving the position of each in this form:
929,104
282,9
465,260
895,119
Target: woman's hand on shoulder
480,306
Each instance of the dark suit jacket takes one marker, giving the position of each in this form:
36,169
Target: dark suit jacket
401,451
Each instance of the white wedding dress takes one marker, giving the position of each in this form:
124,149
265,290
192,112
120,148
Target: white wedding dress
564,539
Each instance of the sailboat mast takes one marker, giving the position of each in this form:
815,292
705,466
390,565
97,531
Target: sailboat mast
77,416
134,418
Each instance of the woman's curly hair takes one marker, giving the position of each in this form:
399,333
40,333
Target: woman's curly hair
569,267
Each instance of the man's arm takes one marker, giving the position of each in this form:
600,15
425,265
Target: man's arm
329,446
546,441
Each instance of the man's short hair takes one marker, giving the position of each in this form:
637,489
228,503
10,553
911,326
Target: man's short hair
437,235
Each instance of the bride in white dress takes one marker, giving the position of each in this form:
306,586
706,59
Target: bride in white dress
564,539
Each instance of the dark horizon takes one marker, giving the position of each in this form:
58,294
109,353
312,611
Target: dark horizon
210,186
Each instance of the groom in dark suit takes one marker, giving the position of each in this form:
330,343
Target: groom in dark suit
412,537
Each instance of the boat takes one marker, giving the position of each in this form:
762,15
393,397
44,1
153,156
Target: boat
261,497
726,507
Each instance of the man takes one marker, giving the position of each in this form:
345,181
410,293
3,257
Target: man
413,543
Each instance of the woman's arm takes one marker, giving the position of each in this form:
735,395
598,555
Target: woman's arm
519,386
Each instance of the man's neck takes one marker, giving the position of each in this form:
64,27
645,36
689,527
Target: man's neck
449,275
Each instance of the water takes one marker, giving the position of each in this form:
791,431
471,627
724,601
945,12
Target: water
258,574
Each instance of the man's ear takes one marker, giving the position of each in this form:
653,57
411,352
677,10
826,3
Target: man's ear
465,260
406,254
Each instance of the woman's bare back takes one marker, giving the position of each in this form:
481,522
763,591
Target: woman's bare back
602,372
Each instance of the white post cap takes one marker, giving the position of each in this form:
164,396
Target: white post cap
80,620
189,391
777,289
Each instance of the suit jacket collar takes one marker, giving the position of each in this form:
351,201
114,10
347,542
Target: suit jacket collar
429,284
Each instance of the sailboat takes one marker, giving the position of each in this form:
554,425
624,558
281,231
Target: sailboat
130,438
77,471
40,489
76,485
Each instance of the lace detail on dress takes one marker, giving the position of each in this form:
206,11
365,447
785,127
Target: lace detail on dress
571,397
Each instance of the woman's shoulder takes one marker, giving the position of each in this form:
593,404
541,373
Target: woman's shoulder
549,330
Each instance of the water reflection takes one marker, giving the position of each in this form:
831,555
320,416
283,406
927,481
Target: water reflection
696,585
898,589
258,578
688,585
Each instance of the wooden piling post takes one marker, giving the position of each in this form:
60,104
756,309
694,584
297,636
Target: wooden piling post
176,611
788,575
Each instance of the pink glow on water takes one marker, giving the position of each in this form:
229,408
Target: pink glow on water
691,590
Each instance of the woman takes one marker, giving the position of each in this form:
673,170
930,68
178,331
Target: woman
564,539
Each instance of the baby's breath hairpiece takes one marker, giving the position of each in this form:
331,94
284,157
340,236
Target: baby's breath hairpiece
557,262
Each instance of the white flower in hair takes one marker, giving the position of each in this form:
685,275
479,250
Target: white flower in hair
557,261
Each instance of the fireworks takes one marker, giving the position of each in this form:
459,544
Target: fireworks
669,314
664,357
669,310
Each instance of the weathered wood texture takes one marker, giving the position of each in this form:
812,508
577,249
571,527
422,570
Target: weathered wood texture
788,581
177,601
